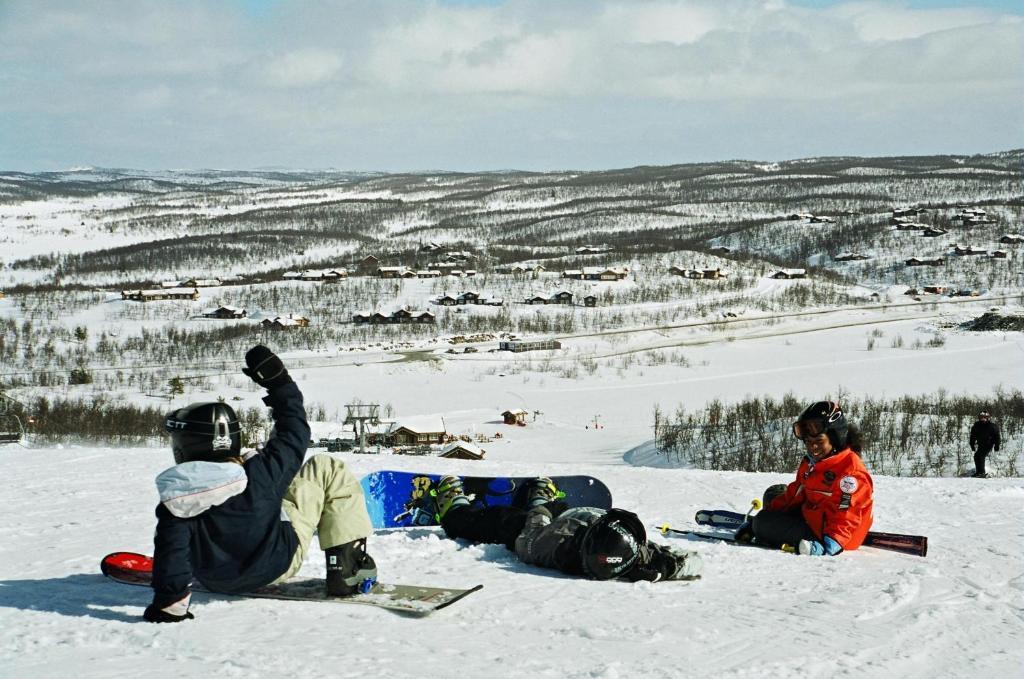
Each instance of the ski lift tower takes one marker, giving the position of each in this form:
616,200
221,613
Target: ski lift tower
359,415
7,414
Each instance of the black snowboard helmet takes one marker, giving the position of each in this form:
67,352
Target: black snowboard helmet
204,431
823,416
611,545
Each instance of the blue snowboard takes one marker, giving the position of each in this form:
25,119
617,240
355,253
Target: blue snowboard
401,499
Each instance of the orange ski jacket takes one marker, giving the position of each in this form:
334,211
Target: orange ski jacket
835,497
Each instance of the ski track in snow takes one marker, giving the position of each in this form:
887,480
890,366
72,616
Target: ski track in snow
755,613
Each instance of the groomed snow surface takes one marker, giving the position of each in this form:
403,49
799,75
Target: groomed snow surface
756,613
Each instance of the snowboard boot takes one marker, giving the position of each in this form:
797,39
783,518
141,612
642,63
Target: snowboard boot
448,494
350,570
541,491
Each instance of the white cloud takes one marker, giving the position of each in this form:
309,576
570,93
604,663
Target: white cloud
304,68
365,73
883,21
671,22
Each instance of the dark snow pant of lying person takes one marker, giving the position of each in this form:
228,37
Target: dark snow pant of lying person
596,543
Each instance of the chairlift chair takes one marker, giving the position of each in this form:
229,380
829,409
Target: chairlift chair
11,429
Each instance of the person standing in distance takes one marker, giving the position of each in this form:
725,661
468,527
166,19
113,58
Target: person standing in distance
983,440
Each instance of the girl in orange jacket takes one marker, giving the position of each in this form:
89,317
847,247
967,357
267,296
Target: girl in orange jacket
827,509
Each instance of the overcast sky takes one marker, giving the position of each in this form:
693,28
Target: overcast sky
409,85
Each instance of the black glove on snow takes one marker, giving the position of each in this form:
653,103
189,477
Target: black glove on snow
648,566
265,368
154,614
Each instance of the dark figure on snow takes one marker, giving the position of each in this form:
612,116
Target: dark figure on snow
237,523
984,439
596,543
827,509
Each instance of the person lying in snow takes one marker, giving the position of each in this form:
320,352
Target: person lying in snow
597,543
237,523
827,509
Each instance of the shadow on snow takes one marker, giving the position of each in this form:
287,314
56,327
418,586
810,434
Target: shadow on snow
75,596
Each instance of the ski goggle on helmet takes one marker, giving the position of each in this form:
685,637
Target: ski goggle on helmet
821,418
204,432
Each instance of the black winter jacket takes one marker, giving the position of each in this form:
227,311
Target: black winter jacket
245,541
985,434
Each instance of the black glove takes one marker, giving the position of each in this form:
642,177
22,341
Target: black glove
154,614
265,368
646,568
659,562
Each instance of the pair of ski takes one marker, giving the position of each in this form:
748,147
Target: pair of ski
730,521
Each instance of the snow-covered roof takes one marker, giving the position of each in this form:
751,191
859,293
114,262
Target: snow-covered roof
421,424
160,292
289,321
598,270
465,445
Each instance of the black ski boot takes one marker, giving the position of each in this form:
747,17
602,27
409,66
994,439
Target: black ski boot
350,570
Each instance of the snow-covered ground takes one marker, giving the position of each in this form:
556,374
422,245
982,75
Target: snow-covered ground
955,613
755,613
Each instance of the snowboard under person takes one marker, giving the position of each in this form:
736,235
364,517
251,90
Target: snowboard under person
238,523
984,438
827,509
597,543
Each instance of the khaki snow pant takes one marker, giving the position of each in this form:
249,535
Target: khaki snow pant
326,497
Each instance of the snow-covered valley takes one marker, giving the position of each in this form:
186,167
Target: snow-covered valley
868,613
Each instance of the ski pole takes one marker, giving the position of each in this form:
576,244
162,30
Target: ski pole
666,529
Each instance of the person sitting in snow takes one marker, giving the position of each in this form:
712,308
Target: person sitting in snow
237,523
597,543
827,509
